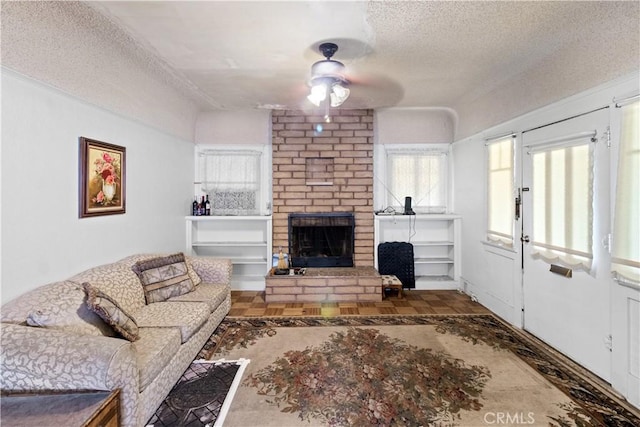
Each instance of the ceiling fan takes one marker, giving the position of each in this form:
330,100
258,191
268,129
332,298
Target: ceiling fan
328,81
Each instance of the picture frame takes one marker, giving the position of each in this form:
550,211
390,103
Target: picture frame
102,182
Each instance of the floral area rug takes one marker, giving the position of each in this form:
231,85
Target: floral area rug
431,370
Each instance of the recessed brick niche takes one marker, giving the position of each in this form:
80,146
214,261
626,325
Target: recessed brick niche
323,167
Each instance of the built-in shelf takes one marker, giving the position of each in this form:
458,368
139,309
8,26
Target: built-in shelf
227,244
245,240
436,246
417,260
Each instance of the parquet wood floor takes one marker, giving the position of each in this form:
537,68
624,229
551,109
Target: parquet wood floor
252,304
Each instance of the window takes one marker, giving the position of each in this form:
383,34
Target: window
626,226
235,179
417,171
563,202
500,196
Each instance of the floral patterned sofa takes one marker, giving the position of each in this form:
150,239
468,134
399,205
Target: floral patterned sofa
135,324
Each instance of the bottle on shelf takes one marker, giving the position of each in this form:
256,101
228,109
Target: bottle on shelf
202,206
207,206
194,206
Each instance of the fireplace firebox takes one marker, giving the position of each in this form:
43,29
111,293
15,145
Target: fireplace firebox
321,239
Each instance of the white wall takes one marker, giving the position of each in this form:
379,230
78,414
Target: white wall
414,125
392,126
43,239
234,127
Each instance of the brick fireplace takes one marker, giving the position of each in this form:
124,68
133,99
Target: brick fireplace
321,239
324,168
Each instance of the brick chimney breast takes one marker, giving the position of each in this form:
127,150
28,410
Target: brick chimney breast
324,167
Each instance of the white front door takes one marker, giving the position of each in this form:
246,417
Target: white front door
570,314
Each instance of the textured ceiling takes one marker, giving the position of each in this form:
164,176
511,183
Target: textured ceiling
246,54
166,63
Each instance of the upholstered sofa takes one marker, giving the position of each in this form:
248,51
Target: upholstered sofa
135,324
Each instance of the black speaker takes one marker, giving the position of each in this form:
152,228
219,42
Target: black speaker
407,206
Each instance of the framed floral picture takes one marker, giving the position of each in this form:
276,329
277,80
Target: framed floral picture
102,178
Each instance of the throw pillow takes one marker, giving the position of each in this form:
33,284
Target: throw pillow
63,306
164,277
109,310
83,321
132,259
195,277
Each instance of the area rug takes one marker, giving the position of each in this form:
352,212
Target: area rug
431,370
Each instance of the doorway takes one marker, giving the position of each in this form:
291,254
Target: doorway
565,226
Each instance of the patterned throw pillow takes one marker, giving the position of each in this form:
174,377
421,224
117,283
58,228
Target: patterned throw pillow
132,259
109,310
164,277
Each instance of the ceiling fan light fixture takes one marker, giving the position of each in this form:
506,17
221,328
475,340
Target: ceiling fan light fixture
328,82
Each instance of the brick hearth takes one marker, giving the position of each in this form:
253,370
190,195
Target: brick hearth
325,285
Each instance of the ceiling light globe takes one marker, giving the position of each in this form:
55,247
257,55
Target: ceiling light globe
318,94
339,94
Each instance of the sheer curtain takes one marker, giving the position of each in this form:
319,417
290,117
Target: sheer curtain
626,226
422,175
501,210
231,178
563,202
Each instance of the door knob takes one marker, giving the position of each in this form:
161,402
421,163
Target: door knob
524,238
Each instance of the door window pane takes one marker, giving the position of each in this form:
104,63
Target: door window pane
563,205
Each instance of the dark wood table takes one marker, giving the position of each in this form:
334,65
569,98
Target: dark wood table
69,409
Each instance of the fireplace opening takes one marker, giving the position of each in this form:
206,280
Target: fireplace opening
321,239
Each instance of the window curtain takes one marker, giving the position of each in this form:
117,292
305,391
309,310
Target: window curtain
232,180
625,251
422,175
563,203
500,195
